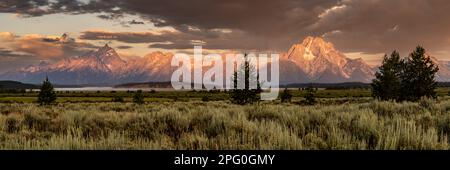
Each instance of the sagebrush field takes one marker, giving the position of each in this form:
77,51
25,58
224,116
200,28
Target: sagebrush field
222,125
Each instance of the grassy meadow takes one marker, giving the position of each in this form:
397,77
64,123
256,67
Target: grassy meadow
354,122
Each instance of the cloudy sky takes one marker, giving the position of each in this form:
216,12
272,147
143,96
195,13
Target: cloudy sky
32,30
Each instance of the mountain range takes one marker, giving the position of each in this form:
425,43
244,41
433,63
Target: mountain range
312,61
101,67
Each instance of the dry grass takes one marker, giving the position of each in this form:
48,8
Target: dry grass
220,125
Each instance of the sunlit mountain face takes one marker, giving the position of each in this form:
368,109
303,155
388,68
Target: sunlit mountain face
312,61
119,41
99,67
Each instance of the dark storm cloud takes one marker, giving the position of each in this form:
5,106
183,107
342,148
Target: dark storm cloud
260,24
26,7
247,15
4,53
210,39
277,23
33,8
370,26
375,26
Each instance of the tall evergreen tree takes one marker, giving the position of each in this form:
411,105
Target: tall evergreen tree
246,73
387,84
418,78
47,94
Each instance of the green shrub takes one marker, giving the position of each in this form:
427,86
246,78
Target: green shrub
118,99
138,97
141,127
205,98
12,124
310,98
286,96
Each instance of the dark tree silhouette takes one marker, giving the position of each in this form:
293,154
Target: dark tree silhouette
47,94
387,84
246,73
409,79
418,76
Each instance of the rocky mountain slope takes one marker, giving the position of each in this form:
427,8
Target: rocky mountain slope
312,61
322,63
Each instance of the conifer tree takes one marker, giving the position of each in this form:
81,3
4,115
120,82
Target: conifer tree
387,84
47,94
418,77
246,74
409,79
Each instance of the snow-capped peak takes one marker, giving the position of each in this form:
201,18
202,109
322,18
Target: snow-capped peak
318,58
